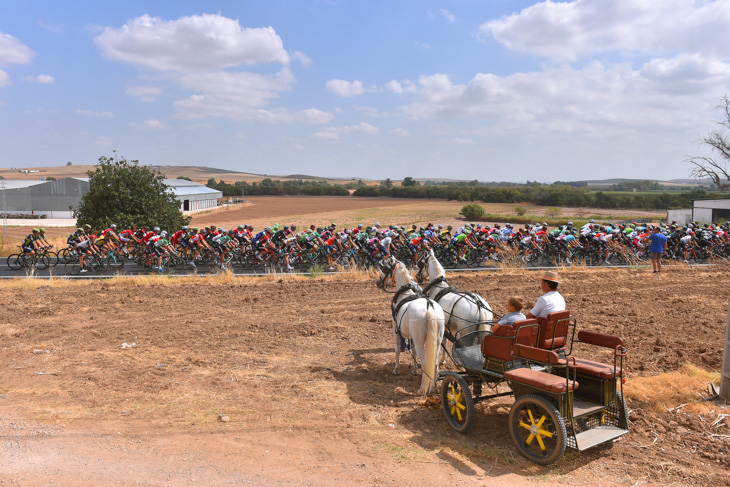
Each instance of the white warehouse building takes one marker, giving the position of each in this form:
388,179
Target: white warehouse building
58,198
702,211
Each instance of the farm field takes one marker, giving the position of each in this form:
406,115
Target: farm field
301,368
349,211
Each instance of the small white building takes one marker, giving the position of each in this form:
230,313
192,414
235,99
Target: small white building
702,211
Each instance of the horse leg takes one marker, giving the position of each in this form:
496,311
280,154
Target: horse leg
397,353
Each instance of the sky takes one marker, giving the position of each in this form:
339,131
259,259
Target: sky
494,90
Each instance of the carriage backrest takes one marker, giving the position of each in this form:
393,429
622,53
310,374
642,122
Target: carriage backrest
537,355
600,339
499,344
554,330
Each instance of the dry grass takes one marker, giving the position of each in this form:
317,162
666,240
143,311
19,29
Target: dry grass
673,389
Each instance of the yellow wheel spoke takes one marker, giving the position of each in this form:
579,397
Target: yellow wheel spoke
524,425
542,420
546,433
539,441
532,420
529,440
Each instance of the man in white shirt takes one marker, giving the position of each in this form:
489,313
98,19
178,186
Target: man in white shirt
551,300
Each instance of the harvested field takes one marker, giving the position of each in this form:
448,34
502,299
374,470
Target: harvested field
301,368
349,210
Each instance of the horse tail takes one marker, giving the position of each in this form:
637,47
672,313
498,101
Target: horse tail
430,365
485,315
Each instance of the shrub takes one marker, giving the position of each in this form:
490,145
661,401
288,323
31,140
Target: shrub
472,211
520,210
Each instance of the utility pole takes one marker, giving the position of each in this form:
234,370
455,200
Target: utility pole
5,213
725,377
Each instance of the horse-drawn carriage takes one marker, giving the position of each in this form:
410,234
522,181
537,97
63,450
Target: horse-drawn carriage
560,400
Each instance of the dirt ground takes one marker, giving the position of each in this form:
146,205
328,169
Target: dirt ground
301,370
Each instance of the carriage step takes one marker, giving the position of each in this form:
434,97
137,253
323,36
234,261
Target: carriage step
596,436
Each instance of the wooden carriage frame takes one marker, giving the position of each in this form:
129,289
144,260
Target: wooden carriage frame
560,400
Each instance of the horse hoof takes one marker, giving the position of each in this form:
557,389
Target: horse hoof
414,371
396,372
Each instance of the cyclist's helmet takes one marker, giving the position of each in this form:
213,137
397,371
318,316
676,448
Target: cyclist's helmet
156,229
293,228
35,230
359,225
267,229
348,231
241,227
377,224
163,234
286,227
440,226
92,237
42,230
185,228
113,226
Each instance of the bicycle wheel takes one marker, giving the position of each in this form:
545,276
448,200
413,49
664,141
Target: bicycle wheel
97,264
72,267
15,262
52,258
41,262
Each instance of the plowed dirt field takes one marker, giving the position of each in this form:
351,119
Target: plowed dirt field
286,380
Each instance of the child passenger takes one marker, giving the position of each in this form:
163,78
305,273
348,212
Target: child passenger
514,308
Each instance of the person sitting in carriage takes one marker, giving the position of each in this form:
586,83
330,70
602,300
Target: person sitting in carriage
551,300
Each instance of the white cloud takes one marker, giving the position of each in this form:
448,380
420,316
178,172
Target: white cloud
333,133
400,87
42,79
198,52
196,43
447,15
347,89
567,31
595,97
12,51
147,93
423,45
4,78
401,132
94,113
102,141
369,111
151,124
302,58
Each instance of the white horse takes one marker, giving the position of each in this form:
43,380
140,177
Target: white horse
461,308
417,318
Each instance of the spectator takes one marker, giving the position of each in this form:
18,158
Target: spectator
657,249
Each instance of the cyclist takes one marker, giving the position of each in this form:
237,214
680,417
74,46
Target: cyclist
30,243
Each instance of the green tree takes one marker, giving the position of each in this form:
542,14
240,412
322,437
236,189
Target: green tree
126,193
408,182
185,178
472,211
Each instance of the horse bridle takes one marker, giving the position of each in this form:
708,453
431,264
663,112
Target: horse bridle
423,264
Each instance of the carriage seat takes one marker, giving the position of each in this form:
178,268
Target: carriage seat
554,330
541,380
597,369
499,344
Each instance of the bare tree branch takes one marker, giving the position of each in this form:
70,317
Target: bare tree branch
708,167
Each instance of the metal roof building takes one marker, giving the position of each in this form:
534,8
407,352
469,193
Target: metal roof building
58,199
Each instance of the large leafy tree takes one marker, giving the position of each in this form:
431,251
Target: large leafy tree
719,143
126,193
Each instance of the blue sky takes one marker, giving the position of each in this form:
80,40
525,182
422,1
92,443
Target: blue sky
490,90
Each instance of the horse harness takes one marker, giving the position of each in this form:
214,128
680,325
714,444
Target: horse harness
395,305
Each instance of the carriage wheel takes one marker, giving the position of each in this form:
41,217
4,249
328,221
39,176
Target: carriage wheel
623,411
457,402
537,429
